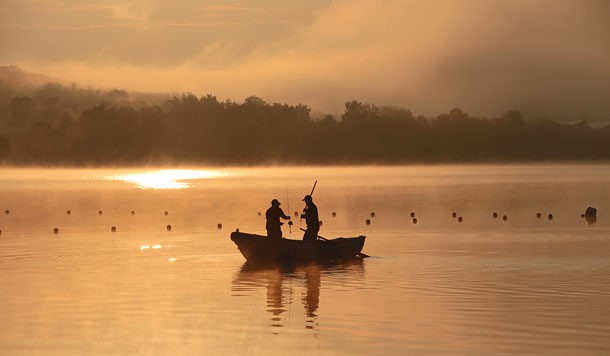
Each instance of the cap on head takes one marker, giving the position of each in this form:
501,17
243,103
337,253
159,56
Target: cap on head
275,202
307,198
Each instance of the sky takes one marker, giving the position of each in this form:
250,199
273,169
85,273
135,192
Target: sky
484,56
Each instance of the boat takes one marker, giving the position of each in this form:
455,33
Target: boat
261,249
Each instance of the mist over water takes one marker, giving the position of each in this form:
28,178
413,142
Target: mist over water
483,285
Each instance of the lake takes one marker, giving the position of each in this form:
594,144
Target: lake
169,280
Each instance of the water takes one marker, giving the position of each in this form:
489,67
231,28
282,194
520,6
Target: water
524,285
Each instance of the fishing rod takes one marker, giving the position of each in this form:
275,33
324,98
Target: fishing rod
314,187
288,204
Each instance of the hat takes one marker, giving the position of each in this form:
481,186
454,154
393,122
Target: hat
275,202
307,198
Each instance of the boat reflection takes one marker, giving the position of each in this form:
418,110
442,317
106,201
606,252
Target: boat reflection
283,283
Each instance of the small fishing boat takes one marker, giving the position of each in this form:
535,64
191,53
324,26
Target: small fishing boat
261,249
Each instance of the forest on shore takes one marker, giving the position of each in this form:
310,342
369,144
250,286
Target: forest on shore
55,124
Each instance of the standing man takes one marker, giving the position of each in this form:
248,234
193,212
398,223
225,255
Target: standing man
310,213
273,215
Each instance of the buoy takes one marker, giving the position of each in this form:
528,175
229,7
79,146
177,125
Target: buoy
538,215
259,213
100,212
582,216
169,228
113,229
166,212
321,222
460,219
412,214
334,214
591,215
414,220
495,215
56,231
0,232
296,214
373,214
368,222
68,212
504,217
454,214
6,212
133,212
219,226
550,216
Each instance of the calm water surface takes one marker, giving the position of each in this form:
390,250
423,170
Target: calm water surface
482,286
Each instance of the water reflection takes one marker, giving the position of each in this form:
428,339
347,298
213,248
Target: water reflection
312,299
168,178
283,283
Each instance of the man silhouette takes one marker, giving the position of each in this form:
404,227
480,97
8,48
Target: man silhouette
310,213
273,215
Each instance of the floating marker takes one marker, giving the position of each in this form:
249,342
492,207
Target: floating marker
7,212
582,216
495,215
259,213
56,231
504,217
538,215
368,222
460,219
414,220
321,222
296,214
334,214
453,215
591,215
412,214
550,216
373,214
100,212
0,232
133,212
166,212
68,212
113,229
169,228
219,226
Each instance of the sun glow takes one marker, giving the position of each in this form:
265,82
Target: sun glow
167,178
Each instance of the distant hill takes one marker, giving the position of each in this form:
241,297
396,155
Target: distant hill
14,81
28,98
16,78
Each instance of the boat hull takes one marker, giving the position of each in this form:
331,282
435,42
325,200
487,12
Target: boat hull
261,249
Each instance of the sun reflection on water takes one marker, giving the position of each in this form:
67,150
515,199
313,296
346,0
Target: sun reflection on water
168,178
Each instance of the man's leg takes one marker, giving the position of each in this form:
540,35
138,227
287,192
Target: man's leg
310,235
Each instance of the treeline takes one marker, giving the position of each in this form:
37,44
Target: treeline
47,130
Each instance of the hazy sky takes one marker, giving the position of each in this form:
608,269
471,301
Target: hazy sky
485,56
